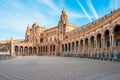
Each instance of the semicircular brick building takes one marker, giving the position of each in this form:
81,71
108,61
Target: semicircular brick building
98,39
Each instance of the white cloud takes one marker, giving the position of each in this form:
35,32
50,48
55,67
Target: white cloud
73,15
50,4
13,5
91,7
84,10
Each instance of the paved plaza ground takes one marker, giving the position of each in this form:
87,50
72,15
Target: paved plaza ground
58,68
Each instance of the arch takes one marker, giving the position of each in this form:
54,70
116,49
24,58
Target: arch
66,47
107,38
26,50
86,43
16,50
39,49
53,48
50,48
34,50
77,45
81,44
62,47
69,44
92,41
46,48
43,48
72,46
21,50
116,28
30,50
116,31
98,40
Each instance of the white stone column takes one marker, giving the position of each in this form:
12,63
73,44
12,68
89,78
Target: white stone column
83,44
95,43
102,41
112,40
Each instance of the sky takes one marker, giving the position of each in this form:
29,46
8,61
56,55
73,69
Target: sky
15,15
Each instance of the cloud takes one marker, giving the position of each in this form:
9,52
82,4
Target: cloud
12,5
50,4
91,7
84,10
74,15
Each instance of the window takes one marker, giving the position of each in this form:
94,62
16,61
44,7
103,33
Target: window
54,38
50,39
41,40
118,42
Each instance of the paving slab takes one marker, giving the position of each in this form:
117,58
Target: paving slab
58,68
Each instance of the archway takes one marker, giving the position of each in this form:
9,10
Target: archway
53,48
92,42
39,51
62,47
69,46
34,50
86,43
30,50
43,48
117,35
116,54
81,44
26,50
98,40
107,38
50,49
16,50
66,47
21,50
46,48
72,46
77,45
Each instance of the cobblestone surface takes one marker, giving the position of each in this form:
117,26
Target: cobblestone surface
58,68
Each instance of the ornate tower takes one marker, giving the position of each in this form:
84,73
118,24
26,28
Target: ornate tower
62,24
61,30
27,36
64,17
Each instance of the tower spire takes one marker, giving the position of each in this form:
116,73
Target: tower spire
64,16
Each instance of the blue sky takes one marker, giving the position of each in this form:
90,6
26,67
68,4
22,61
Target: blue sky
15,15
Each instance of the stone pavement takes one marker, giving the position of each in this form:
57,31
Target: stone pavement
58,68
